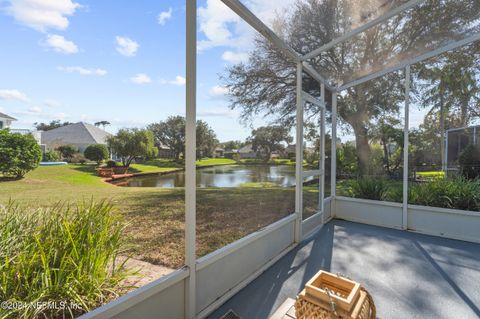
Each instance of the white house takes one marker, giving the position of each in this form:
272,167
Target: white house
247,152
80,135
5,120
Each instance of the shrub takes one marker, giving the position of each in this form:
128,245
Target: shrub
63,254
67,151
469,161
78,158
369,188
97,153
459,193
51,156
19,154
111,164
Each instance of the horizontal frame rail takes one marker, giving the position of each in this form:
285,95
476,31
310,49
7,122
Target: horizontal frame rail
310,98
250,18
420,58
316,172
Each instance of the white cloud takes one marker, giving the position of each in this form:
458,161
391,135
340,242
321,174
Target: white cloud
164,16
126,46
11,94
235,57
59,44
218,90
42,15
141,78
179,80
52,103
35,109
214,21
82,71
222,27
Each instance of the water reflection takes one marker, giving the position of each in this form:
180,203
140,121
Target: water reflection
220,176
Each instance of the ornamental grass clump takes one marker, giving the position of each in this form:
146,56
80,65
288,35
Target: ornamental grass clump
458,193
369,188
59,262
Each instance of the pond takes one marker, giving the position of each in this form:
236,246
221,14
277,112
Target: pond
219,176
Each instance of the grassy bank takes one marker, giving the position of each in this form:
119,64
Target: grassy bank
155,216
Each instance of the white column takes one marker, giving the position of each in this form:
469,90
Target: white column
299,158
333,180
322,155
405,148
190,156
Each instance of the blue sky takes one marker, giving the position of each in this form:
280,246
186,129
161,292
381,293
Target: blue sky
120,61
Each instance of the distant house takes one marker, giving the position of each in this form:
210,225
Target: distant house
78,134
290,150
6,120
165,152
219,152
247,152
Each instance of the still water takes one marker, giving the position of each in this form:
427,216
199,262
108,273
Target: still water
219,176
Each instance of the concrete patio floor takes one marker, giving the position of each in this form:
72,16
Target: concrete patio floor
409,275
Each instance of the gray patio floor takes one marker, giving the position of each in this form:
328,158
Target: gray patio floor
409,275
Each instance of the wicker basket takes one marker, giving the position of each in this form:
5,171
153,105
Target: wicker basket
328,296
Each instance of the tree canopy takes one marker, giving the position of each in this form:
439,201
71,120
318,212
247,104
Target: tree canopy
267,139
130,144
50,126
265,85
171,133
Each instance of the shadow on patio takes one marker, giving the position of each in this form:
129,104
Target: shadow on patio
409,275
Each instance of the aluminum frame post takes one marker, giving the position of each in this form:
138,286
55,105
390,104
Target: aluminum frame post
190,156
333,177
299,157
322,155
405,149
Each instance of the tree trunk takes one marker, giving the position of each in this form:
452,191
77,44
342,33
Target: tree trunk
442,127
364,151
386,156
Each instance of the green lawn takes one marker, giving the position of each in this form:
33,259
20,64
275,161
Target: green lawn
156,215
431,175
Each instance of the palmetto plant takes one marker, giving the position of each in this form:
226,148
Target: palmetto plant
459,193
369,188
66,254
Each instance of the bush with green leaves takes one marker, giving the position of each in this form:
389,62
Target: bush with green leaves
67,151
369,188
19,154
78,158
97,153
469,161
51,156
458,193
131,144
63,254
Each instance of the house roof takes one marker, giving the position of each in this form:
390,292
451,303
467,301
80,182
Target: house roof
77,133
8,117
246,149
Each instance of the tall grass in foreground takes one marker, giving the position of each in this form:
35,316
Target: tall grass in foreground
65,254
